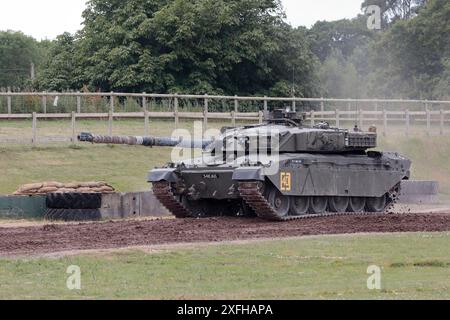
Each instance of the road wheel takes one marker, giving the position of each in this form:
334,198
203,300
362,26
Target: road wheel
376,204
357,204
299,206
279,202
338,204
318,205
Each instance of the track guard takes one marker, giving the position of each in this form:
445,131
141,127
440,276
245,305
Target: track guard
159,175
248,174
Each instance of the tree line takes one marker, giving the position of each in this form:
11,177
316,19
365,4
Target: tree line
242,47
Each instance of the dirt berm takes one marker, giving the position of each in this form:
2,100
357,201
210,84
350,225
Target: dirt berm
37,240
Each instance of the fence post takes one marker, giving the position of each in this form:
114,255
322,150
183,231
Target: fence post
175,111
34,130
322,105
236,110
312,118
233,118
266,108
428,120
377,116
385,122
78,103
9,102
294,105
146,120
44,102
205,114
441,130
261,117
407,117
74,135
110,122
338,120
111,102
361,118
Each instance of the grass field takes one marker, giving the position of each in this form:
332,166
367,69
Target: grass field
413,266
126,167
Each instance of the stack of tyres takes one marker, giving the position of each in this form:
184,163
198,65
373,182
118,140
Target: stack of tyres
73,206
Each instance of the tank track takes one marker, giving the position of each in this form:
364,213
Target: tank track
252,195
163,192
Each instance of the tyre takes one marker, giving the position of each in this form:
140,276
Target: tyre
72,215
74,200
49,214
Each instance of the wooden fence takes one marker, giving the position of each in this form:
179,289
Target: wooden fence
428,116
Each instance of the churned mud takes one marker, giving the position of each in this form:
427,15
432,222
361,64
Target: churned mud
53,238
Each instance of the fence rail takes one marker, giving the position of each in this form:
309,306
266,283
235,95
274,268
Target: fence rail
427,115
213,97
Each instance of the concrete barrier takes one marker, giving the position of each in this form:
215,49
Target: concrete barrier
129,205
419,192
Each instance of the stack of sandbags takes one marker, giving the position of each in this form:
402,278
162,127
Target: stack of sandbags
57,187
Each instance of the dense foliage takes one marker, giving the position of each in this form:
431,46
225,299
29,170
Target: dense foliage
242,47
17,53
409,58
201,46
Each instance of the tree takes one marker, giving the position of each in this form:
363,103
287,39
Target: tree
17,53
198,46
394,10
60,71
410,58
442,88
342,35
339,78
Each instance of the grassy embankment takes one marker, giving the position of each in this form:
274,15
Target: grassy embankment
413,266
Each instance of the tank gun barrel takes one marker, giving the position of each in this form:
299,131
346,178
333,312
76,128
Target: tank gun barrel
149,141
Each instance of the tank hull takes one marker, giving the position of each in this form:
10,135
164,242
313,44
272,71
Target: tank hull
297,175
367,182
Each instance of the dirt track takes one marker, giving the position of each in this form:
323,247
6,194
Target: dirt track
45,239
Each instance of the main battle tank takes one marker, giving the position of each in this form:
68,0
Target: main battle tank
279,170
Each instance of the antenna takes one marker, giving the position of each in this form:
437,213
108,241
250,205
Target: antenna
293,89
293,81
356,116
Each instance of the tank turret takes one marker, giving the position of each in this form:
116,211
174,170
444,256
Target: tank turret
284,126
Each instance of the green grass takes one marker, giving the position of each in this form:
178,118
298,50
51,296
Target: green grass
126,167
414,266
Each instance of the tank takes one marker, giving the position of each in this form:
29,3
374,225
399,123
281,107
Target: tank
279,170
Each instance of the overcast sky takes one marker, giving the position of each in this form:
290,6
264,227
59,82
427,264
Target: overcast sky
47,18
